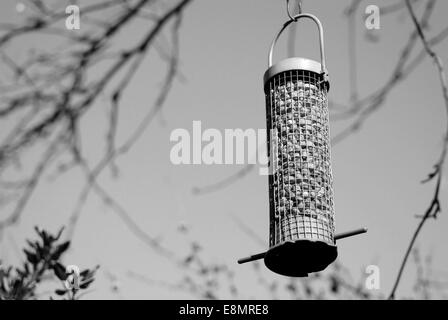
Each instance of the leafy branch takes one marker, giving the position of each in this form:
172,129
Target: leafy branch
43,262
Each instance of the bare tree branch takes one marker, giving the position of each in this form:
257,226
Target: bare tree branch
434,208
126,146
31,185
361,109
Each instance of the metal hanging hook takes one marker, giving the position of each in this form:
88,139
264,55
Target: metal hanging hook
289,12
321,38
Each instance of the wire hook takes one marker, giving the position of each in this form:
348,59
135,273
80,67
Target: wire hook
289,12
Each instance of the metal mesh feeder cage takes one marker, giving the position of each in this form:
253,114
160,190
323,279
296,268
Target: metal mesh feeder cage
301,184
302,230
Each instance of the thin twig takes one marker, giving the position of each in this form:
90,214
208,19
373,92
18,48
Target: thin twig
434,208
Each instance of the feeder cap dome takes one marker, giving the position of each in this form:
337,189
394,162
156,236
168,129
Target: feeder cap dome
293,64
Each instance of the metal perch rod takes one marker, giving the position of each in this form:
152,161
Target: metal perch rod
336,237
349,234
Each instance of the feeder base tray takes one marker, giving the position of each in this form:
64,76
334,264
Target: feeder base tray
299,258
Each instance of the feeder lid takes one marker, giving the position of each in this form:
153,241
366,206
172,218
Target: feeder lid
291,64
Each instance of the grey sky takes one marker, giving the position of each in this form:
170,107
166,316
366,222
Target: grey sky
224,47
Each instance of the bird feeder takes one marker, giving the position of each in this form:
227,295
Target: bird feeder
302,229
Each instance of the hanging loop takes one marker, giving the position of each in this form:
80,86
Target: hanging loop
289,12
321,38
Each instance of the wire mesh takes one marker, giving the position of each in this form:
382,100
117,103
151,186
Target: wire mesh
301,184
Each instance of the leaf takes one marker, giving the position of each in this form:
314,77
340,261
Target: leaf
334,285
59,270
60,249
46,238
86,284
31,244
87,273
59,234
21,273
31,257
84,273
60,292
